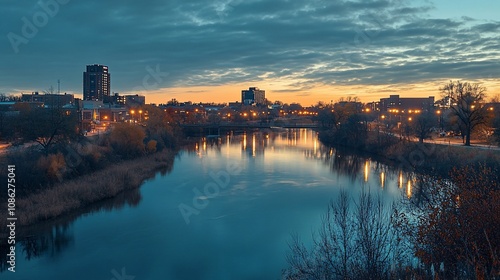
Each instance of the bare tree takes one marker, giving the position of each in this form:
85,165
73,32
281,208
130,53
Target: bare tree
357,241
466,103
423,125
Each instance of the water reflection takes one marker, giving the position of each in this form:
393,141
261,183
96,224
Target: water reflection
53,237
255,144
294,149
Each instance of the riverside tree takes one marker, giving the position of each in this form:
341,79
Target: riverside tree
357,241
423,124
466,102
459,232
47,126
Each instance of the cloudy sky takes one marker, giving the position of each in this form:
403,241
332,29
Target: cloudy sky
297,50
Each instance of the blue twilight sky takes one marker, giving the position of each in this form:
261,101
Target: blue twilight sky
298,50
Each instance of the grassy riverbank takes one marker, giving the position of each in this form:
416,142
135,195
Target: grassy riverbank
431,158
82,191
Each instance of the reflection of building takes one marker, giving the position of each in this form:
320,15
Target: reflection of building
254,144
412,103
253,96
96,83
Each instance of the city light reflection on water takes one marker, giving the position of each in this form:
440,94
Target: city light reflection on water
287,179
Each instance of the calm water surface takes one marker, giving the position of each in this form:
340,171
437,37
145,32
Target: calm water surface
271,184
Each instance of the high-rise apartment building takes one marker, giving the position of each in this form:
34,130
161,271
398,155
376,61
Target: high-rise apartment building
253,96
96,83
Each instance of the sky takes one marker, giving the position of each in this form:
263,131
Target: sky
208,51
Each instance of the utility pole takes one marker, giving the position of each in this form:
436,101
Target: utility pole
58,86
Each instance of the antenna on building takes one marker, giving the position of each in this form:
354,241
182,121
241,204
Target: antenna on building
58,86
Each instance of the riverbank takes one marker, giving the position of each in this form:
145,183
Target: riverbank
84,190
430,158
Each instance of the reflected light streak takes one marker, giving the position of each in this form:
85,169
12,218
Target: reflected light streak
253,145
382,179
367,168
244,141
408,189
400,181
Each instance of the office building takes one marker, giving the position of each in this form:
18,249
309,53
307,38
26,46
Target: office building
394,102
49,100
132,100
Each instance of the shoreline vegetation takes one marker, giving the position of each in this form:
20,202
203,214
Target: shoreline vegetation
117,167
69,171
83,191
434,159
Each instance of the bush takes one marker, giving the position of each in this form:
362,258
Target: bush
53,165
151,146
127,140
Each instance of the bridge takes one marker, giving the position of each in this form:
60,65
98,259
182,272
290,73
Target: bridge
250,125
215,129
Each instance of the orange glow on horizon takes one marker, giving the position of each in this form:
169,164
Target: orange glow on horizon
282,91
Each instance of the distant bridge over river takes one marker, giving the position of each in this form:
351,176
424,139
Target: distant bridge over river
215,129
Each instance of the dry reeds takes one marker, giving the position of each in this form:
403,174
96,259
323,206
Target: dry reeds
85,190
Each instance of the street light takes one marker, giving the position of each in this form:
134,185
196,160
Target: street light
440,118
132,112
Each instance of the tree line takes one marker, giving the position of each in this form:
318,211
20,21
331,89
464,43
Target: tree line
59,151
346,123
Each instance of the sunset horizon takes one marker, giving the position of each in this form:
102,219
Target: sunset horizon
302,52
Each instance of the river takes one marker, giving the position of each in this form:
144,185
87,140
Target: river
226,210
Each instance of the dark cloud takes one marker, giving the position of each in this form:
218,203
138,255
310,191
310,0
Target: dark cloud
217,42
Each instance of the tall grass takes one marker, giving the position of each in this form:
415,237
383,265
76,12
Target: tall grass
85,190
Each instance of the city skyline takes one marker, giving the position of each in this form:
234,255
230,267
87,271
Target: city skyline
302,52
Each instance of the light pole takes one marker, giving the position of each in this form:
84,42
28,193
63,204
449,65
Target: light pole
440,118
132,112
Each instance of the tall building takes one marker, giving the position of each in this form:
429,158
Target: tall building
253,95
96,83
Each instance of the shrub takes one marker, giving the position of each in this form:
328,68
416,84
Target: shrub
127,140
151,146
